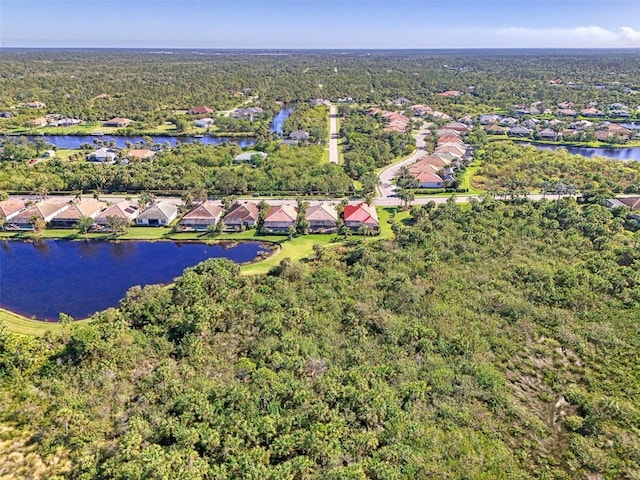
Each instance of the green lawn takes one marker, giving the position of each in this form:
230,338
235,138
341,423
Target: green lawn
467,176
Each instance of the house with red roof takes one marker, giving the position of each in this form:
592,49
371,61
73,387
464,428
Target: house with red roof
356,216
200,110
280,218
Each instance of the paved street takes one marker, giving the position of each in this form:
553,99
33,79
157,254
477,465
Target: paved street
334,157
387,188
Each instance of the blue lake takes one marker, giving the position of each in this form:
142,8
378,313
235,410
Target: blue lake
621,153
43,278
74,141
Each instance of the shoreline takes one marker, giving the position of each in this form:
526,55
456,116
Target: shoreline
9,316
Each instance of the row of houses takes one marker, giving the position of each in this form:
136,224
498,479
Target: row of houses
18,214
320,218
395,122
437,170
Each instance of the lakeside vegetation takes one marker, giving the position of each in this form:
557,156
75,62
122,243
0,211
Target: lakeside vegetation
494,341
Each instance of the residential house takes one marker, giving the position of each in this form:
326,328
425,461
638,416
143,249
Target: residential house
519,132
421,110
299,135
6,114
203,216
548,134
531,124
247,113
10,208
429,180
249,157
35,105
401,101
449,94
322,218
141,153
118,122
592,112
508,122
458,127
103,155
159,213
125,210
87,208
204,122
495,130
102,96
489,119
567,112
39,122
44,211
280,218
562,105
241,216
357,216
65,122
199,110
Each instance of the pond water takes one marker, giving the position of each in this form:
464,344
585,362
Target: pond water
43,278
621,153
278,121
74,141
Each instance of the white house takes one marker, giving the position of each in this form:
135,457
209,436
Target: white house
160,213
204,122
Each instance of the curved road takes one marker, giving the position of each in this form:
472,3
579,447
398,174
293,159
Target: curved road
387,188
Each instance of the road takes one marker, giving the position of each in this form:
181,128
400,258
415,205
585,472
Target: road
334,156
387,188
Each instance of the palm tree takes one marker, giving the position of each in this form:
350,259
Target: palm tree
84,224
366,230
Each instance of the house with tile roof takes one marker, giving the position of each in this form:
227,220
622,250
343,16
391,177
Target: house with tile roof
203,216
87,208
118,122
44,210
200,110
280,218
241,216
356,216
158,214
10,208
141,153
125,210
322,218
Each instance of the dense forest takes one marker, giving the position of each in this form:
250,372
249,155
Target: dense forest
495,341
187,167
145,85
505,164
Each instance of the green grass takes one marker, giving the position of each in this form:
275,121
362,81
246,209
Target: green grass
25,326
467,176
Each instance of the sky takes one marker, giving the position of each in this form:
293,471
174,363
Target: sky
319,24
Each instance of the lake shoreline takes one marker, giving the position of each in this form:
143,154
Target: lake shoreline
264,249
